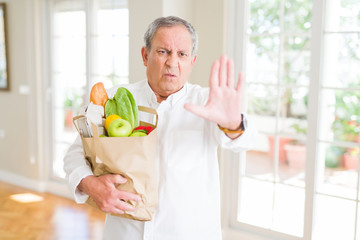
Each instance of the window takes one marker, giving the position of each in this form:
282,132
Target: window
297,183
89,43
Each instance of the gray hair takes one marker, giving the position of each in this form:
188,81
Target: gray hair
169,22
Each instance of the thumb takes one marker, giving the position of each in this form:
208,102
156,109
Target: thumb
118,179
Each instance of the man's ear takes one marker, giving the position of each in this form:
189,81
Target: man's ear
144,54
193,60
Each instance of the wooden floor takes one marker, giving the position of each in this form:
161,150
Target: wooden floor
28,215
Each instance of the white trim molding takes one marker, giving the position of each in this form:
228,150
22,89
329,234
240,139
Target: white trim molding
53,187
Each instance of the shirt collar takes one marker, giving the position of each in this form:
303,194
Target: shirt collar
150,95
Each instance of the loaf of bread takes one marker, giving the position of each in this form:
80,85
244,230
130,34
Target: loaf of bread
98,95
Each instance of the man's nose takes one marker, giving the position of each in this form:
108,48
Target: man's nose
172,60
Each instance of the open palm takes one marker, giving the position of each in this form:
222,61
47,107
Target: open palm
224,104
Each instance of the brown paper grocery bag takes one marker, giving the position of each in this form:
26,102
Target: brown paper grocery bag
132,157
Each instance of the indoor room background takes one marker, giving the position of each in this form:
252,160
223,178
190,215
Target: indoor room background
301,61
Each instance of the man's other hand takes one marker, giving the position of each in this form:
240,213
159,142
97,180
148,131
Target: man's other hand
105,194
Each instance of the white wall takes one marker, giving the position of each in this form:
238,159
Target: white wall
209,21
19,147
141,14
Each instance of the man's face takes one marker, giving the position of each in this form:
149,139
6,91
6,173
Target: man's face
170,60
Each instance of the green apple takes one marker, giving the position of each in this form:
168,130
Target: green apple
138,134
119,128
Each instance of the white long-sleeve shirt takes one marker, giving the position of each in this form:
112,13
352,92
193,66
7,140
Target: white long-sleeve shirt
189,188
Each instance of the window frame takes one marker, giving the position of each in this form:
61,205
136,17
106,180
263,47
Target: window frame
52,141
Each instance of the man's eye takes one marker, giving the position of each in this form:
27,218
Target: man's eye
162,51
183,54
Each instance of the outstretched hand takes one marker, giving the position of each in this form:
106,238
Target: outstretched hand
224,105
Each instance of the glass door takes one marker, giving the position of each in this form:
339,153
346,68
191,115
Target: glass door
294,48
277,66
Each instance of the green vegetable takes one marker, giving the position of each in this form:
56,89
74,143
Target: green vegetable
123,104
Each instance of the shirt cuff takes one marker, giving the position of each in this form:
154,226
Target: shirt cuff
243,142
74,180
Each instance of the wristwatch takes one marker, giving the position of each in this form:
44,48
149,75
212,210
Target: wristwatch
241,130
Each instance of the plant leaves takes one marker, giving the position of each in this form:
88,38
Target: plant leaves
124,105
110,108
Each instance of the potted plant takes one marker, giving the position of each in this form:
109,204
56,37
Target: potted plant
346,126
333,156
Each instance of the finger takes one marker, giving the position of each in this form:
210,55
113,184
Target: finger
240,83
230,73
118,179
124,206
214,75
223,71
116,211
127,196
121,207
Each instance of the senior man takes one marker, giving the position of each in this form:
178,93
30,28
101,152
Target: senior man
193,122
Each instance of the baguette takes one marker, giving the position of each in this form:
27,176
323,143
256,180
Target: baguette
98,95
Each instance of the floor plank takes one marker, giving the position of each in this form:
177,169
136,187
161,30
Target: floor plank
46,216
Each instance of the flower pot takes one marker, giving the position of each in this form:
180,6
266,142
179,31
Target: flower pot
282,153
295,155
68,118
350,161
